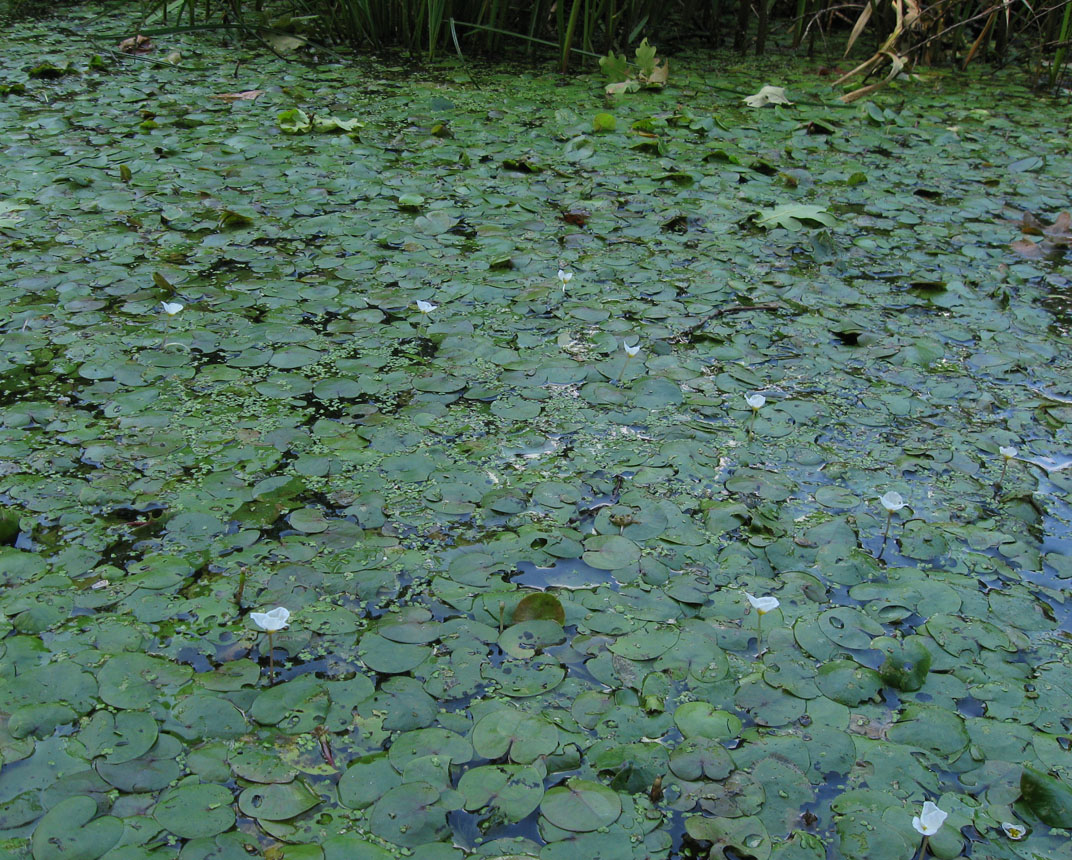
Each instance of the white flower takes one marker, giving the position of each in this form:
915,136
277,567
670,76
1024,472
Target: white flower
892,502
1015,832
565,278
930,820
756,401
762,605
768,96
425,307
630,350
275,619
171,308
1008,453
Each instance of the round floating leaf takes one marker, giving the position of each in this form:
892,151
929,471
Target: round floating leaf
391,658
350,846
704,720
525,638
296,706
848,627
203,715
512,790
645,644
610,552
1049,798
539,606
21,809
581,805
907,662
277,801
122,738
134,681
409,815
259,764
309,521
526,677
525,737
424,742
39,721
195,810
366,781
769,706
746,835
701,758
68,831
155,770
930,727
847,682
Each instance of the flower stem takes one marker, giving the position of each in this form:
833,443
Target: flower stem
271,658
885,535
759,632
924,846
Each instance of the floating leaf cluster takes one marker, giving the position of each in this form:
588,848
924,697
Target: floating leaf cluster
517,561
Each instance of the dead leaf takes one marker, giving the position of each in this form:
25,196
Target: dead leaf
136,45
247,96
658,75
1056,237
283,44
1028,250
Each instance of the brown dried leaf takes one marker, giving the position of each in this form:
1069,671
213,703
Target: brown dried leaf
136,45
1029,250
247,96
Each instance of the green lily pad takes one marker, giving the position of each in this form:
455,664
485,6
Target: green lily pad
277,801
194,810
523,737
520,678
410,815
907,662
539,606
70,830
610,552
930,727
134,681
746,835
366,780
849,627
1049,798
513,791
704,720
701,758
848,683
581,806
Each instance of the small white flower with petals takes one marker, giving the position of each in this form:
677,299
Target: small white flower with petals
631,351
762,605
1015,832
892,502
768,96
425,307
273,620
930,820
171,308
756,401
565,278
1008,453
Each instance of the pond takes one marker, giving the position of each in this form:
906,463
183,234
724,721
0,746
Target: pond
524,401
